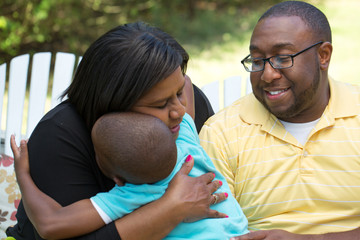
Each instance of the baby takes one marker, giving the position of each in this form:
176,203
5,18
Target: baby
139,153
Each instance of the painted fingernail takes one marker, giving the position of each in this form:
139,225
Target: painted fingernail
214,174
226,195
226,216
220,182
188,158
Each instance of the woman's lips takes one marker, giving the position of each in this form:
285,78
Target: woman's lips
175,129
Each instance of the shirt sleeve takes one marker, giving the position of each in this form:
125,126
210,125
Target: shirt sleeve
102,214
122,200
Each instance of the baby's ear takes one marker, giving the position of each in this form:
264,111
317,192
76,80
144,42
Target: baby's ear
119,181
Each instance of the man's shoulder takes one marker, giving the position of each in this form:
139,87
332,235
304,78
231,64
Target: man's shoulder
345,87
344,98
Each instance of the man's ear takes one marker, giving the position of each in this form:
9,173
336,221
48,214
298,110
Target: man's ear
119,181
325,51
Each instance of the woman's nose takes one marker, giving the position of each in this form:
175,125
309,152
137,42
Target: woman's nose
177,111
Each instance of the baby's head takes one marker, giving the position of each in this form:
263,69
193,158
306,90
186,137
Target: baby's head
133,147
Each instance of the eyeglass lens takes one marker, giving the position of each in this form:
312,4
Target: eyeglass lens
280,61
277,62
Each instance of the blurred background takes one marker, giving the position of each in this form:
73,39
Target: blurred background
216,33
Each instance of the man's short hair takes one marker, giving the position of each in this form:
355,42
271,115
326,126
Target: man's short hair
312,17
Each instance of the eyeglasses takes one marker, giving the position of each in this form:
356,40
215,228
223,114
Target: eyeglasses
277,62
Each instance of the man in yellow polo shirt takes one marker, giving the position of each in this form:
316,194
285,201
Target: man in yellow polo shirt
291,149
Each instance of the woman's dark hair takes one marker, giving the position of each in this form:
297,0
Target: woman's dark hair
122,65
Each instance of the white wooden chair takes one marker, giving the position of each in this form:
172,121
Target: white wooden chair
232,90
38,90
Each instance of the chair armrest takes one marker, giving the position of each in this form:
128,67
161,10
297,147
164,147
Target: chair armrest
9,194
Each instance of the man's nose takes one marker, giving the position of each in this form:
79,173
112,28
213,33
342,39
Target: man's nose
269,73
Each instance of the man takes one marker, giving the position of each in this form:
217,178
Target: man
290,151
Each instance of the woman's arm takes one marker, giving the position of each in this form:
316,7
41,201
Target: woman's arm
52,221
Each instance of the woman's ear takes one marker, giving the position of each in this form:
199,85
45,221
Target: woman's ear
119,181
189,93
325,51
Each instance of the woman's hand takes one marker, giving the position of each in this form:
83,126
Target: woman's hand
186,199
194,195
21,157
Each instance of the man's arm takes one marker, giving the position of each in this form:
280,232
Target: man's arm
284,235
51,220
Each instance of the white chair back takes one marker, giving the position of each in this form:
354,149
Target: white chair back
38,91
232,90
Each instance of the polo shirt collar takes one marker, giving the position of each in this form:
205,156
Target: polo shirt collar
343,102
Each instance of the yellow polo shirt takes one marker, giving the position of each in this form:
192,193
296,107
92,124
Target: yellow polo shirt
281,184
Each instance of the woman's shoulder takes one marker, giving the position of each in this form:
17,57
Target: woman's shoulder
64,113
62,110
62,118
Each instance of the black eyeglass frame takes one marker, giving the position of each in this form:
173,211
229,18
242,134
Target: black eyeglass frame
285,55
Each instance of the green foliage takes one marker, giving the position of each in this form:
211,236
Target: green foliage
71,25
22,24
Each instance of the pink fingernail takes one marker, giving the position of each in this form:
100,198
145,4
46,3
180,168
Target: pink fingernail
214,174
188,158
220,182
226,195
226,216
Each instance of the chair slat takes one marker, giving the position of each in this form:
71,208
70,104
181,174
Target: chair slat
38,89
211,90
248,87
2,94
17,86
63,73
232,89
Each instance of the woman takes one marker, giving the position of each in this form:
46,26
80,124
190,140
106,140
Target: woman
117,73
